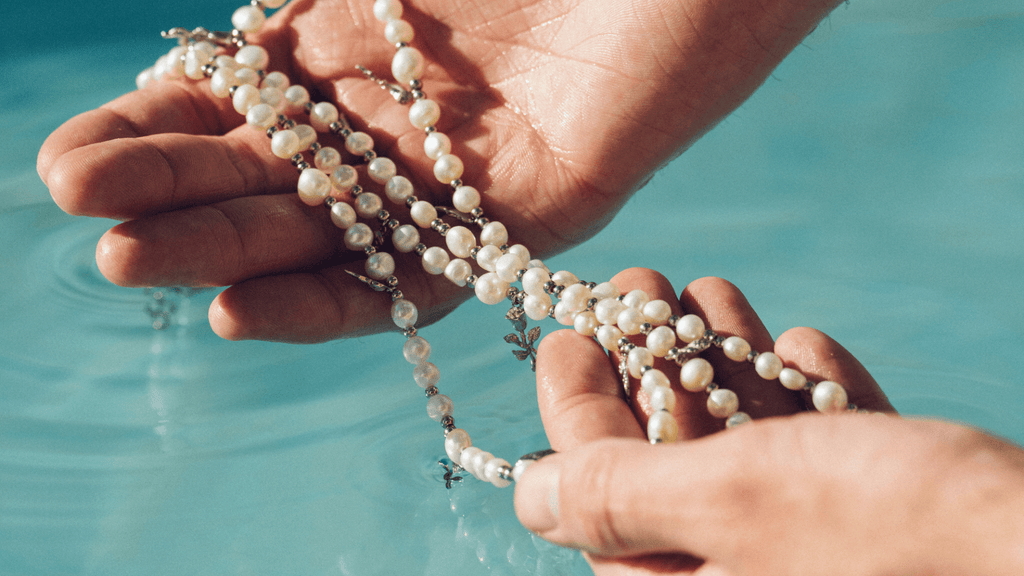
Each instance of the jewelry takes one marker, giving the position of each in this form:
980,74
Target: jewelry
267,99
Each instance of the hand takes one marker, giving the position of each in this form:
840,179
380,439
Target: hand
561,110
806,494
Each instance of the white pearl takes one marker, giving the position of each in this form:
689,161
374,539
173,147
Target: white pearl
723,403
284,144
276,80
661,340
274,97
662,427
144,78
252,56
608,335
248,19
424,113
638,358
297,96
792,379
458,271
358,236
466,199
492,472
654,379
576,297
425,374
508,265
564,315
636,299
327,159
436,145
385,10
477,462
405,238
198,56
662,398
160,68
261,116
381,169
439,406
398,189
342,215
455,441
396,31
448,168
460,241
307,136
176,61
490,289
564,278
630,320
221,82
344,177
487,257
523,252
368,204
314,186
423,213
586,323
404,314
225,61
520,467
605,290
608,310
737,419
435,260
534,280
467,455
380,265
248,76
245,97
537,307
416,350
829,396
696,374
657,312
358,143
736,348
689,328
407,65
322,115
768,365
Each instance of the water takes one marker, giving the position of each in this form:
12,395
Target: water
872,188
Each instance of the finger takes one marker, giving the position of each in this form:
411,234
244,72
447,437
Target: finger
819,357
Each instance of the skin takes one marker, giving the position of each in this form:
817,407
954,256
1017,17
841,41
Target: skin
560,109
792,495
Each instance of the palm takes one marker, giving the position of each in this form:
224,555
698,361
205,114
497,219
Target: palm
560,110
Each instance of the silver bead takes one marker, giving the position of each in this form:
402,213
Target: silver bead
383,215
430,129
711,388
520,274
302,166
482,221
356,191
208,70
397,295
646,328
410,201
369,155
476,212
308,107
448,421
296,159
271,131
456,183
752,356
418,95
471,280
231,91
409,332
420,249
591,303
315,147
415,84
370,250
432,391
330,201
289,123
644,369
474,252
335,127
673,320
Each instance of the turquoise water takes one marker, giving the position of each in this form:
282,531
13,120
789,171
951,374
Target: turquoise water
873,188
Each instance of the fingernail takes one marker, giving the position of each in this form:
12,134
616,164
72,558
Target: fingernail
537,495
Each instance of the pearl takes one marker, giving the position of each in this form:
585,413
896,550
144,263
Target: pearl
654,379
404,313
768,365
423,213
358,143
221,82
657,312
144,78
585,323
576,297
737,419
537,307
343,178
247,76
477,462
407,65
608,310
696,374
448,168
261,116
439,406
436,145
736,348
314,187
245,97
689,328
225,61
564,315
630,320
252,56
284,144
455,441
435,260
523,252
398,189
381,170
196,58
396,31
380,265
661,340
662,427
274,97
276,80
323,115
534,280
605,290
248,19
520,467
460,241
608,335
405,238
342,215
327,159
723,403
508,266
792,379
490,289
358,236
424,113
829,396
297,96
492,472
426,374
368,204
564,278
467,456
636,299
306,136
466,199
458,271
487,257
385,10
662,398
638,358
416,350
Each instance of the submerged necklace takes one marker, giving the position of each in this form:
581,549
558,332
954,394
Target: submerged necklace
267,99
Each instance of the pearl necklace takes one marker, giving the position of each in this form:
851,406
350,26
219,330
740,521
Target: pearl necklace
267,99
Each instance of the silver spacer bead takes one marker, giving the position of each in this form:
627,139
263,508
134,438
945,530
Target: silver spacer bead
369,155
383,215
519,274
396,295
232,90
673,320
430,129
296,159
391,224
416,84
308,107
302,166
474,252
672,353
591,303
335,127
752,356
505,472
432,391
409,332
271,131
356,191
420,249
315,147
711,388
482,221
471,280
503,248
289,123
208,70
476,212
456,183
646,328
258,4
400,45
557,290
623,342
809,386
410,201
448,421
330,201
550,286
644,369
391,281
418,95
370,250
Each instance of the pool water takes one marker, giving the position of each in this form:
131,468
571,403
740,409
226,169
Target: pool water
872,188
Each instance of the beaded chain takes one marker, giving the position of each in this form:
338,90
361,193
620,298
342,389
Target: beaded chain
269,99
